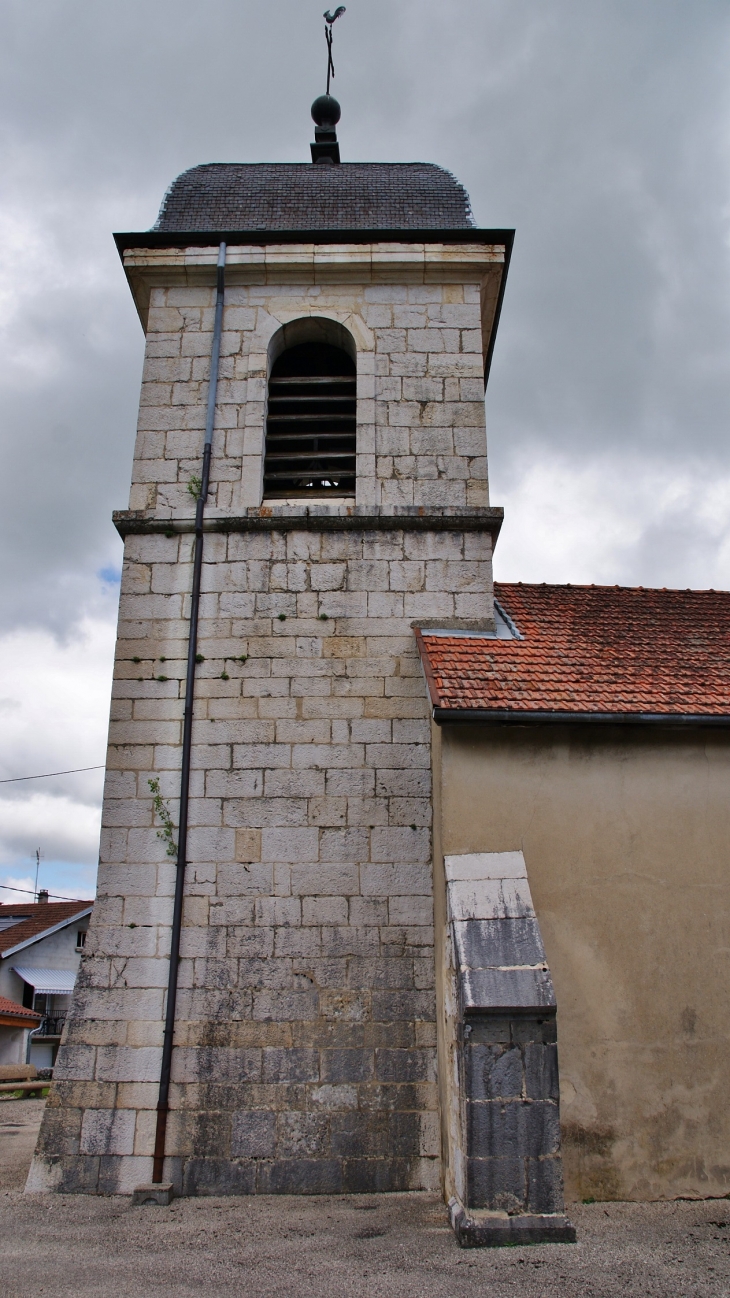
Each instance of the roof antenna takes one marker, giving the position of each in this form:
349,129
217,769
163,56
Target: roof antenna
38,859
326,111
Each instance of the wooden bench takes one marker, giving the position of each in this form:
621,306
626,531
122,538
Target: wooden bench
5,1087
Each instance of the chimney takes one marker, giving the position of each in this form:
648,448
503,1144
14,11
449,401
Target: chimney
43,895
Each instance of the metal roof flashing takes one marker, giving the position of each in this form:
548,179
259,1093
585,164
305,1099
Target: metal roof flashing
259,237
504,629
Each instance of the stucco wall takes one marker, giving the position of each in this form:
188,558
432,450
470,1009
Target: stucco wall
57,951
12,1045
625,835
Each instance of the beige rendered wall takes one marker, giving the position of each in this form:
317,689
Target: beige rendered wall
626,836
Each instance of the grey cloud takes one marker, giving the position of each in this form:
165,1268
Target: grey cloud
600,131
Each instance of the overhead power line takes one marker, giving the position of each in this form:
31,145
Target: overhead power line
17,779
56,896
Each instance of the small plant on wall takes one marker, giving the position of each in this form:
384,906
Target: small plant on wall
163,814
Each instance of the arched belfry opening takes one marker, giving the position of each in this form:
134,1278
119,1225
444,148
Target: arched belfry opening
311,415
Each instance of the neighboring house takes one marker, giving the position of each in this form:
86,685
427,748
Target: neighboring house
40,952
15,1024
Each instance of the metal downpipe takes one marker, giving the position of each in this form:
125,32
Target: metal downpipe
167,1041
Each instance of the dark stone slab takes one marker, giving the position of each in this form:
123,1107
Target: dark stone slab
302,1135
490,1029
218,1176
253,1134
290,1065
505,989
495,1231
360,1135
347,1065
402,1065
496,1183
376,1175
512,1128
493,1071
545,1184
80,1174
527,1028
404,1134
60,1132
541,1072
493,943
507,1027
300,1176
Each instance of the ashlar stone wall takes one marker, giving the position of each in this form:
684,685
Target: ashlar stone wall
304,1053
420,362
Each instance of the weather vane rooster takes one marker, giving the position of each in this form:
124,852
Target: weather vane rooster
329,19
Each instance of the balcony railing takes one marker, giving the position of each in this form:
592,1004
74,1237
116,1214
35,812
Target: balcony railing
50,1026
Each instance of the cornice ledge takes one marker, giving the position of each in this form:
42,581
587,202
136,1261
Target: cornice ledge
133,522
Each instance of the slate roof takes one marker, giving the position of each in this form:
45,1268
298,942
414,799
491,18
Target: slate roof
41,916
228,196
591,649
14,1010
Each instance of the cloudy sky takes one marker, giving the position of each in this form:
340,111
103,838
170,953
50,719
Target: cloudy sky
600,129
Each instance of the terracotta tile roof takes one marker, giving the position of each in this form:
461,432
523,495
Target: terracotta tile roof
14,1010
591,649
40,917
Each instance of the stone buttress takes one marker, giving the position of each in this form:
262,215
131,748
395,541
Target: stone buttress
502,1091
305,1039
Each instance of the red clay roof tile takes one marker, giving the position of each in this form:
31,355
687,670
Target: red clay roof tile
40,917
15,1010
591,649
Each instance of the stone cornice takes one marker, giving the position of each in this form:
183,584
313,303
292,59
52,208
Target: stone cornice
307,257
131,522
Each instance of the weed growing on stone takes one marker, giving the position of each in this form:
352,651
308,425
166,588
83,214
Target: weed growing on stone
167,833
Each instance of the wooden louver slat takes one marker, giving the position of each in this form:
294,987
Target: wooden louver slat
310,436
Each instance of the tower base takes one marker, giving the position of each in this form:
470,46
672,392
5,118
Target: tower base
482,1229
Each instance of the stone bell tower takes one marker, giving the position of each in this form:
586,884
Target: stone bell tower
311,451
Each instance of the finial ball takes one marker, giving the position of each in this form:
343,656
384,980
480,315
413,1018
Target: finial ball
326,111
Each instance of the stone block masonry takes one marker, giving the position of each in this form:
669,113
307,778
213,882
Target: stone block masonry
305,1042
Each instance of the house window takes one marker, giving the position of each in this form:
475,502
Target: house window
81,939
311,422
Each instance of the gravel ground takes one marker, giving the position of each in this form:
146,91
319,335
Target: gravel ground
388,1246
